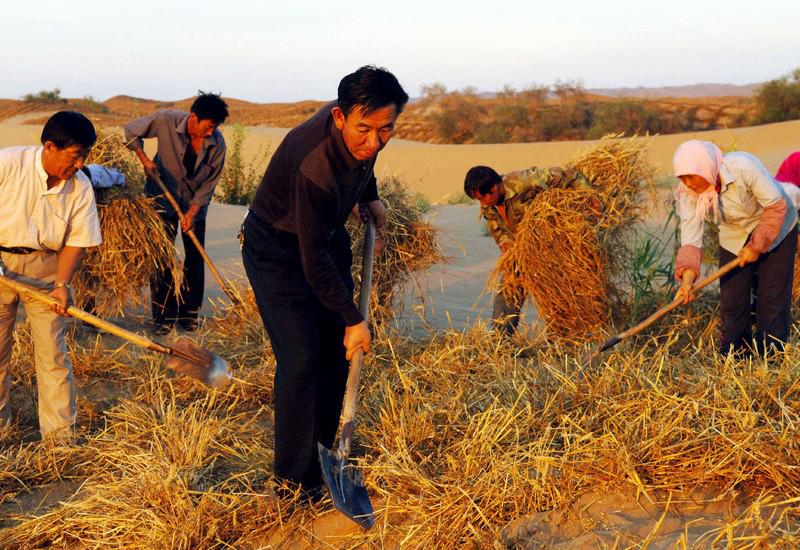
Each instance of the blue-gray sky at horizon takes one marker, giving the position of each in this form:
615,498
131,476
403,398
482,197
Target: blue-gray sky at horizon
269,51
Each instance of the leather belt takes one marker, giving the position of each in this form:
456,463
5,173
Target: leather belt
17,249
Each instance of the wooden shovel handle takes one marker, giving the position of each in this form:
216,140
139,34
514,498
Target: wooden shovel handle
84,316
611,342
357,360
153,174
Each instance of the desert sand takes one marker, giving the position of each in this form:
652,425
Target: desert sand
437,171
453,295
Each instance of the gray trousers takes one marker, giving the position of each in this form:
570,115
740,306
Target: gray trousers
56,388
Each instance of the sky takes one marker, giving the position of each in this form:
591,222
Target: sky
269,51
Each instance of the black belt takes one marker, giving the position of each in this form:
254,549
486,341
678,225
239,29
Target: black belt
17,249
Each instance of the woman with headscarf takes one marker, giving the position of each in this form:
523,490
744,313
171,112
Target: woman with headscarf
757,223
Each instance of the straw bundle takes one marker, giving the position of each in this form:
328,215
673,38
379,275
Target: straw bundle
572,245
135,245
563,266
110,150
410,246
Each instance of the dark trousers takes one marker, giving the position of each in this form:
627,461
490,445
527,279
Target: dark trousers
506,310
764,286
307,340
166,306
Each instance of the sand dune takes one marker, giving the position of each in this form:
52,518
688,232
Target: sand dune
437,171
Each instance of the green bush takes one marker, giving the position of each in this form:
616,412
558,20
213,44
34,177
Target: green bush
240,179
421,202
45,96
88,104
779,99
630,118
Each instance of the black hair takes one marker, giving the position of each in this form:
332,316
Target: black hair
480,179
210,106
67,128
371,88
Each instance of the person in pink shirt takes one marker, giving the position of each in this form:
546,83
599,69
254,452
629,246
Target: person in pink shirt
789,171
757,223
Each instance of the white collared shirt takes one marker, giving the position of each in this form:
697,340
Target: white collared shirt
44,219
746,189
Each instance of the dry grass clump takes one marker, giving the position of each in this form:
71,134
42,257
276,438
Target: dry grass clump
135,245
457,437
110,150
572,244
411,246
465,435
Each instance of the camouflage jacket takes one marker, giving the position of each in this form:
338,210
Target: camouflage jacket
521,187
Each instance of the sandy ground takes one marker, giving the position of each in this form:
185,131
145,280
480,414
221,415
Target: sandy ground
453,295
437,171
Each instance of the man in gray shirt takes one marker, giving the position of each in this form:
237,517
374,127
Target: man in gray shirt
190,157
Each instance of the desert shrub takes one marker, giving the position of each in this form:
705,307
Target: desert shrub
88,104
510,121
631,117
568,117
779,99
240,178
459,198
45,96
422,202
458,116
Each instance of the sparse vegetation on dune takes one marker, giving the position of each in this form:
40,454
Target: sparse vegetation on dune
562,111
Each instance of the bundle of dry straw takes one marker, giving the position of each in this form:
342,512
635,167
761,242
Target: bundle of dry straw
135,245
410,246
572,244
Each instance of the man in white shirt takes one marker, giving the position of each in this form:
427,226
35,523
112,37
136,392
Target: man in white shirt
47,218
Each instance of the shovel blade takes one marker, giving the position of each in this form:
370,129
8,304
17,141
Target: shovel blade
346,487
209,368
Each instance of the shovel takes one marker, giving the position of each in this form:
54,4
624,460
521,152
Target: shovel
186,357
345,482
611,342
226,288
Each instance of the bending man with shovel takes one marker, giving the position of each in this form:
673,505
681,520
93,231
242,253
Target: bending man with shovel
47,218
296,252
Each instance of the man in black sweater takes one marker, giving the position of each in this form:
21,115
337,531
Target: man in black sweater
296,253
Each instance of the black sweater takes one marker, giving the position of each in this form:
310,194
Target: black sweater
310,187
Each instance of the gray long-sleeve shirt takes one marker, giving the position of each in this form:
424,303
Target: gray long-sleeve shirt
169,127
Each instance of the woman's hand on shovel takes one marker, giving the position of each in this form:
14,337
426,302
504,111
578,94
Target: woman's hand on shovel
685,294
356,337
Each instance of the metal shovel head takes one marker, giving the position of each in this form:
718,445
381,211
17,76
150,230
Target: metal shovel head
209,368
346,487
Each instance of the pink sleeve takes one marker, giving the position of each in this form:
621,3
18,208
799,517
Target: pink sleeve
688,258
768,227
